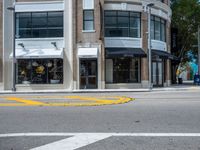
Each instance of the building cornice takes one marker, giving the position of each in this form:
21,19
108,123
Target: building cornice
158,5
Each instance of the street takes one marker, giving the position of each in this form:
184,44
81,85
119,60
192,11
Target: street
166,120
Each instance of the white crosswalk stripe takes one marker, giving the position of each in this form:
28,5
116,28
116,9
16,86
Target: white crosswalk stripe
78,140
73,142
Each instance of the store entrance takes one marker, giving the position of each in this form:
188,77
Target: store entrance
157,73
88,73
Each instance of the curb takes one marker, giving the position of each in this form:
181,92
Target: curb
74,91
101,91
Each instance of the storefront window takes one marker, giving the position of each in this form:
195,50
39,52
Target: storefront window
39,71
122,24
123,70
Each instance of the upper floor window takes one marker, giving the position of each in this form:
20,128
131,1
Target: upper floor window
122,24
88,4
39,24
88,15
158,28
88,20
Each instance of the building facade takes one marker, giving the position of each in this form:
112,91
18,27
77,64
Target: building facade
112,44
43,44
85,44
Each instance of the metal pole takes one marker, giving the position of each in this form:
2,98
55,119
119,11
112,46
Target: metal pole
198,50
149,46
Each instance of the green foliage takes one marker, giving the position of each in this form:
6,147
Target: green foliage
186,17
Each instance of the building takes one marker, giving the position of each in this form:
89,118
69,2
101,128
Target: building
86,44
43,44
112,44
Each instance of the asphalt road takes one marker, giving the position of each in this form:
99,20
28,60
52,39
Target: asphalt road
149,115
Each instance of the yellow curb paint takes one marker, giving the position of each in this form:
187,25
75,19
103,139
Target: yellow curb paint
28,102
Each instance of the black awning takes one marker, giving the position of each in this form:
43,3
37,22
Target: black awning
161,54
164,55
124,52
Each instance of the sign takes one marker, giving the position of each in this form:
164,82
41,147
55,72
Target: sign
174,40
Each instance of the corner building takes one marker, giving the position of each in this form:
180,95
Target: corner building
112,44
85,44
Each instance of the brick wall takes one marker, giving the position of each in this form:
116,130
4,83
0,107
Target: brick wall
144,29
83,37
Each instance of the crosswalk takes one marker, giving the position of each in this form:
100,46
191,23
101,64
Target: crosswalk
74,141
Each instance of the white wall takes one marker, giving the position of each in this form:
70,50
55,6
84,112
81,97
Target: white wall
161,10
109,70
159,45
7,44
123,42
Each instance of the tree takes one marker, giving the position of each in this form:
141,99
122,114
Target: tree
186,18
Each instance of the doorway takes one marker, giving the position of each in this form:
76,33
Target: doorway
88,73
157,73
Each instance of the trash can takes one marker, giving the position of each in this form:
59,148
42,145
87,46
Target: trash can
180,80
197,79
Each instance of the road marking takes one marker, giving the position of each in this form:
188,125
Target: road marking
74,142
79,140
89,101
28,102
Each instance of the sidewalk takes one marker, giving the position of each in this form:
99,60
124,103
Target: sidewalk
187,85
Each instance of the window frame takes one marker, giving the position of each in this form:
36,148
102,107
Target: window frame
117,27
46,77
161,21
129,70
46,28
88,20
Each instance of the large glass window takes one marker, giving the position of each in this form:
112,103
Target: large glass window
39,24
123,70
122,24
39,71
158,28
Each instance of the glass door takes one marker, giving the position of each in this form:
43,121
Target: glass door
154,73
157,73
88,74
160,74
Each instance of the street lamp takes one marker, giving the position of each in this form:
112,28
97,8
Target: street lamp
14,56
149,6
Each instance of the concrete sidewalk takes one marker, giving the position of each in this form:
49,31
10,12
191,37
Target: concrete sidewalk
185,86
